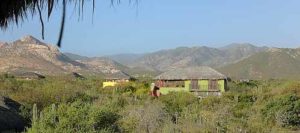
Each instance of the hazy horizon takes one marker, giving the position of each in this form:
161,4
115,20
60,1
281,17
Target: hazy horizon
146,52
156,25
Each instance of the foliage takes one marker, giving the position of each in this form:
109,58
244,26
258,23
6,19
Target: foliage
74,117
175,102
70,105
285,111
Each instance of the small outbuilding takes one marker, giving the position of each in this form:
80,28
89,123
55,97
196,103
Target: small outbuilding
113,79
199,80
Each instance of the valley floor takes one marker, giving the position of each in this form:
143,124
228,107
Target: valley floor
64,104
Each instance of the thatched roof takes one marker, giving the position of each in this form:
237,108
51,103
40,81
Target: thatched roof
117,76
10,120
191,73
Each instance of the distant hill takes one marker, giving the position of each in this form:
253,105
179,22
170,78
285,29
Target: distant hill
125,59
76,56
196,56
236,60
30,54
106,64
277,63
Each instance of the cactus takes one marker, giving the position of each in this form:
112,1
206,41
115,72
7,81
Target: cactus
34,114
53,110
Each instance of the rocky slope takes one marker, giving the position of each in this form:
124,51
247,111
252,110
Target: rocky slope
276,63
30,54
107,65
196,56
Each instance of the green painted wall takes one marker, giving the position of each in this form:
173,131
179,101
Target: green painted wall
187,85
221,84
166,90
203,85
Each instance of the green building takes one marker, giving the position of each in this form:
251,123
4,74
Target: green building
199,80
116,78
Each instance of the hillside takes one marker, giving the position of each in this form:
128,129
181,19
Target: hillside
30,54
125,59
244,61
108,64
76,56
196,56
277,63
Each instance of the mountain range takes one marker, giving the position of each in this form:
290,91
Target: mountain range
30,54
238,60
165,60
275,63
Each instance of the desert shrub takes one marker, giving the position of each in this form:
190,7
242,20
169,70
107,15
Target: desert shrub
243,86
210,103
143,118
176,101
283,111
291,88
104,119
74,117
84,106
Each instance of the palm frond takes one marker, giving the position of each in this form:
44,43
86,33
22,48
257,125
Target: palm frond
16,11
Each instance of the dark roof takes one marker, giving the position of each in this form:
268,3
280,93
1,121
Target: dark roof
202,72
78,75
118,75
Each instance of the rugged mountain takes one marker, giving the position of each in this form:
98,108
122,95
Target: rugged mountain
239,51
196,56
236,60
76,56
102,64
125,59
107,65
30,54
279,63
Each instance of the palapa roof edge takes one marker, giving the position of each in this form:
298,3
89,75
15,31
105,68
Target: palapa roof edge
189,73
117,76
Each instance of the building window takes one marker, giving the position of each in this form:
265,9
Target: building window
177,84
213,85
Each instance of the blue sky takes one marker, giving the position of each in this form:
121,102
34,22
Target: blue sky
164,24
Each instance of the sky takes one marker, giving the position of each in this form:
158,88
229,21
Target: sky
152,25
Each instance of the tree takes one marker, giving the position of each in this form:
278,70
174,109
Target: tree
15,11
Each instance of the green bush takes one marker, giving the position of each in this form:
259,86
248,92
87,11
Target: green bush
175,102
84,106
74,117
284,111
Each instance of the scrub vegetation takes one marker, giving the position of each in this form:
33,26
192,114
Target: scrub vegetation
64,104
